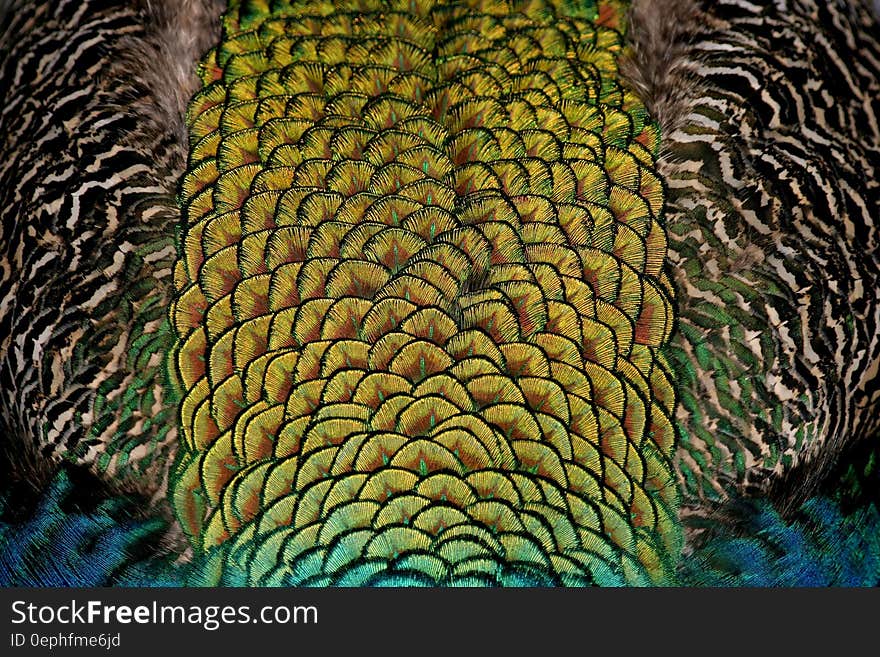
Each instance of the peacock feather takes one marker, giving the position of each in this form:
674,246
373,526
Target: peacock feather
79,535
467,292
419,300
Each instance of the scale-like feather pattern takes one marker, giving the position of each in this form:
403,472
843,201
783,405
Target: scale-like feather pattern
420,297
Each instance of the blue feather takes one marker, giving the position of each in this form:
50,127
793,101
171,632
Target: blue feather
820,546
60,543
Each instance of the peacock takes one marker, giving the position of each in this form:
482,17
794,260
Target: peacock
454,293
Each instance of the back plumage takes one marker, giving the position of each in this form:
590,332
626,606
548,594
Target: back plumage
468,293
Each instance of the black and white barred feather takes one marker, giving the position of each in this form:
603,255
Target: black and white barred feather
771,156
93,95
